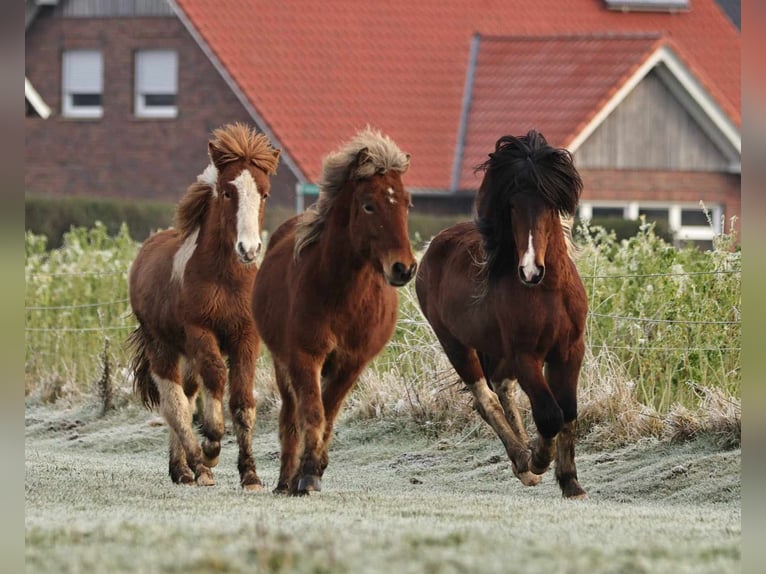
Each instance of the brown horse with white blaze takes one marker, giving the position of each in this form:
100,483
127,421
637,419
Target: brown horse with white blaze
325,301
504,298
189,289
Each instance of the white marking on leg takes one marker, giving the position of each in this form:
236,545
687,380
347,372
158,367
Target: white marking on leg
210,177
213,411
174,405
182,256
528,261
248,221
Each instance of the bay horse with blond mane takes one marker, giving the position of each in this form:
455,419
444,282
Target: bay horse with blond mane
504,298
190,290
325,301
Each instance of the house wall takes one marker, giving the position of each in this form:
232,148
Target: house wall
120,155
666,187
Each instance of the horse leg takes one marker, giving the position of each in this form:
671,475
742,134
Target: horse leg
504,389
562,377
174,406
546,412
242,406
305,375
335,388
179,469
288,433
203,349
466,363
503,381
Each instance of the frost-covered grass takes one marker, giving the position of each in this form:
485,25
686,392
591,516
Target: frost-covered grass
663,340
98,499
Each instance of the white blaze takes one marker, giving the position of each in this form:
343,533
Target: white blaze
248,225
391,192
528,261
182,256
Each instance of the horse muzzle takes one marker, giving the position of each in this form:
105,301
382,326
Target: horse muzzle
400,274
248,255
531,276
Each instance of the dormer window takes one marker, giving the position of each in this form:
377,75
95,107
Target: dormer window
648,5
156,84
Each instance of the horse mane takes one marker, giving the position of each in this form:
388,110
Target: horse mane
232,142
525,164
368,153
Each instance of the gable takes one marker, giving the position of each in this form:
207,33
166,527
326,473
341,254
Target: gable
652,129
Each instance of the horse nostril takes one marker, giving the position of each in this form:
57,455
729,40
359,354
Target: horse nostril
401,273
241,248
258,249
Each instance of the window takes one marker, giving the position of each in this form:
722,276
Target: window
83,84
683,223
602,212
156,83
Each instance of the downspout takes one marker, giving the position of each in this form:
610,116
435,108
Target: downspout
465,110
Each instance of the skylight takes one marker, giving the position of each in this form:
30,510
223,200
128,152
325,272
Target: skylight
648,5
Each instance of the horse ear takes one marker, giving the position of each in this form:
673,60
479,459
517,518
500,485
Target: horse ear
405,163
216,155
363,165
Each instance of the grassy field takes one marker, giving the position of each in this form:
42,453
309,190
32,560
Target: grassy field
416,483
98,499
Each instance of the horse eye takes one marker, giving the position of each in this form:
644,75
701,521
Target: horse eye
368,208
226,194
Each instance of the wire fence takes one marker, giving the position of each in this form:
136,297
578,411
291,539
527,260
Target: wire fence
30,328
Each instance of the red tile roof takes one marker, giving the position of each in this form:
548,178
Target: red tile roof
554,84
318,71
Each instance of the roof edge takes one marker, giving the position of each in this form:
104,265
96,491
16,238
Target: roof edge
663,54
234,87
36,100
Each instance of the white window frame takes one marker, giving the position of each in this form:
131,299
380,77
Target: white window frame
75,82
681,233
167,85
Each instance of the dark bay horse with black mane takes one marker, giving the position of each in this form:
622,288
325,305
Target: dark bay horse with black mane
190,291
325,301
504,299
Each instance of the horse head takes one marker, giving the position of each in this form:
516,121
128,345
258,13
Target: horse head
527,187
231,193
378,210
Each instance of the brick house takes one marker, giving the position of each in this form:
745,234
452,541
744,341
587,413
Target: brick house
120,102
646,93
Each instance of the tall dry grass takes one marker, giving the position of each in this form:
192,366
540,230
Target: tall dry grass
663,339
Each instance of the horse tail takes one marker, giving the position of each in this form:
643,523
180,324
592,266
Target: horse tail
143,383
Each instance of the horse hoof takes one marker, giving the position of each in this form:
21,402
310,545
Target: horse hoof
573,491
205,478
529,478
282,488
210,453
186,479
251,482
252,487
309,483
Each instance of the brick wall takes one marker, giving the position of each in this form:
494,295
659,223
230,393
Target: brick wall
120,155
